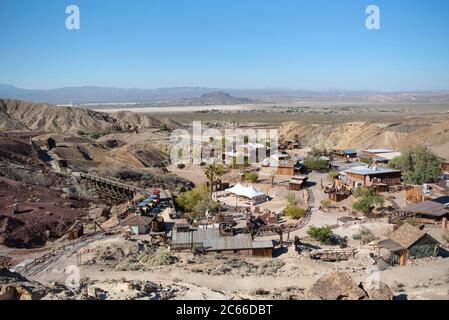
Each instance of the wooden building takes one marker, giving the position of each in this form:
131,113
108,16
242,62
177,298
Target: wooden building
415,194
370,176
209,239
409,242
428,209
158,224
138,224
344,154
431,191
297,183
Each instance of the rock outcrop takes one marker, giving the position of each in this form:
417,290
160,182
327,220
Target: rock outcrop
15,287
341,286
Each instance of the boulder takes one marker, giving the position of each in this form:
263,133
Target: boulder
377,290
337,286
16,292
15,287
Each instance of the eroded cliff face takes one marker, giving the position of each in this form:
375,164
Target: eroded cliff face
358,135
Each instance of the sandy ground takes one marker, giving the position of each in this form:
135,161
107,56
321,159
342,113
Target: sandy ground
421,280
181,109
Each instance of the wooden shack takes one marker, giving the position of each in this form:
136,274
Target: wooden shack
415,194
344,154
138,224
158,224
428,209
297,183
409,242
75,231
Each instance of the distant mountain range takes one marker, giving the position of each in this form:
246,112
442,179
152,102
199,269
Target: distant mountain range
204,96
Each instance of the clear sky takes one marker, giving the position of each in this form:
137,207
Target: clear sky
247,44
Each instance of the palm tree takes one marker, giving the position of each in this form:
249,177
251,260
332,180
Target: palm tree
212,172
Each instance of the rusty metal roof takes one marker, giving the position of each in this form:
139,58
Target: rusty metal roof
212,241
430,208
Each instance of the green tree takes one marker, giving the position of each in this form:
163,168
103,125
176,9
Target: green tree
419,165
324,234
367,199
196,200
212,172
316,163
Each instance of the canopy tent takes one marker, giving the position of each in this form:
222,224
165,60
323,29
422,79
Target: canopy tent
147,201
248,192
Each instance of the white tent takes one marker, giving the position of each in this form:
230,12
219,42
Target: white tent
248,192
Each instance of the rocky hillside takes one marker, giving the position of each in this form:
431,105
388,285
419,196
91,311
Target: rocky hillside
432,132
18,115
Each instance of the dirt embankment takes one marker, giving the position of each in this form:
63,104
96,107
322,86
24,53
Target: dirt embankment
20,115
43,214
358,135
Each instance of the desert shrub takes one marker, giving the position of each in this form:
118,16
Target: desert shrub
251,177
161,258
95,135
295,212
144,179
419,165
316,163
367,199
323,234
366,235
333,175
29,177
357,236
269,267
164,127
291,199
326,203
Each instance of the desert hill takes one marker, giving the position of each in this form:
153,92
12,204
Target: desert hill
433,132
218,97
18,115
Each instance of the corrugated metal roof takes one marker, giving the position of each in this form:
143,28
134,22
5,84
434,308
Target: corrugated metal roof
378,150
371,171
430,208
213,242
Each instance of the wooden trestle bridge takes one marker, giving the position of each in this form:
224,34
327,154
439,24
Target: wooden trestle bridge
115,191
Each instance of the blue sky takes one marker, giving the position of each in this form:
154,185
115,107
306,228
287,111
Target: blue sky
247,44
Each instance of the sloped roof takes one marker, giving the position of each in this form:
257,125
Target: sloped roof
248,192
429,208
212,241
137,220
407,235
